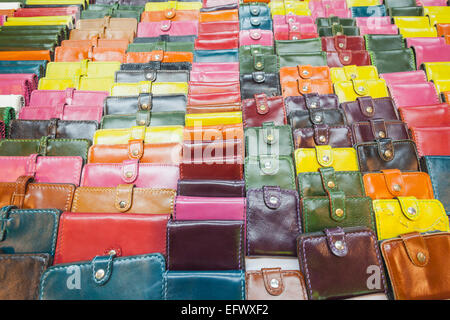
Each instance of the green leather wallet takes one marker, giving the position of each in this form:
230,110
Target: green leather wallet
269,139
382,42
294,59
405,11
143,118
251,50
269,170
161,46
6,115
337,30
298,46
258,62
332,21
399,60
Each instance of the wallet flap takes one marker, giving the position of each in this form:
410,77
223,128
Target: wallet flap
416,248
351,72
316,116
20,190
31,165
258,77
165,25
135,148
345,57
272,197
340,42
262,106
304,86
360,87
270,133
312,100
385,149
273,281
170,13
258,62
409,207
336,241
268,164
143,118
145,101
130,170
305,71
378,127
328,176
337,205
102,267
366,106
255,34
394,181
321,134
124,197
324,155
137,132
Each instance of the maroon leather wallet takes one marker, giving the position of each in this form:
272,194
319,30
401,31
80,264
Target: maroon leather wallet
263,109
338,43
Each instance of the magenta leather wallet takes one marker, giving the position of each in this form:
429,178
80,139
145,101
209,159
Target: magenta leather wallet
255,37
142,175
16,84
430,41
167,27
417,76
209,208
214,76
414,94
215,67
429,3
62,112
431,53
216,3
290,18
31,78
70,96
327,8
372,21
378,29
43,169
294,31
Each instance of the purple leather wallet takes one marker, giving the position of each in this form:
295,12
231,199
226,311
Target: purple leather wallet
209,208
379,128
366,108
211,188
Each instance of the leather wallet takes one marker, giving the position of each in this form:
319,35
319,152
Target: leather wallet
301,86
275,284
210,133
211,188
311,101
161,46
212,119
7,114
411,77
426,116
311,160
80,235
436,70
367,109
205,245
269,170
258,63
392,183
351,90
145,101
352,251
378,128
347,73
412,261
158,56
387,154
263,23
272,208
261,108
143,118
27,195
214,56
399,60
298,46
259,82
368,11
209,208
437,167
256,9
255,37
431,53
295,31
337,136
378,29
62,112
384,42
171,14
299,119
343,42
43,98
172,28
409,214
346,58
269,139
106,278
432,141
156,65
154,76
164,134
293,59
337,30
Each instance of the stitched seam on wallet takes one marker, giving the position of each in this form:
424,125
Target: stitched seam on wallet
291,165
89,264
418,141
412,63
388,264
54,187
338,173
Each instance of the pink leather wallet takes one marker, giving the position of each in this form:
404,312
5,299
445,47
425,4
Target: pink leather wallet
218,27
142,175
425,41
214,76
215,67
43,169
216,3
62,112
372,21
431,53
70,96
219,98
414,94
31,78
209,208
20,84
429,3
378,29
294,31
290,18
255,37
417,76
327,8
172,28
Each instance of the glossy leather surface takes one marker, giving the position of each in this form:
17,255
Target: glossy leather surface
310,160
293,59
343,42
269,170
378,128
311,101
399,60
337,136
437,115
163,134
262,108
209,208
211,188
298,46
351,90
440,137
366,109
348,73
438,168
156,103
259,82
268,139
346,57
308,119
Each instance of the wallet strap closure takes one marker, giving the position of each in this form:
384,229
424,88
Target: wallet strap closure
345,57
378,127
255,49
52,128
135,149
351,72
160,46
324,155
336,241
329,182
272,197
145,101
333,20
58,111
84,67
170,13
31,165
145,86
337,205
270,133
20,190
316,116
124,197
409,207
304,86
337,29
321,134
157,56
4,220
273,281
102,267
294,31
255,21
416,248
312,100
269,164
305,71
394,181
254,10
366,106
258,62
130,170
262,105
340,42
386,149
42,148
137,132
69,92
255,34
150,75
166,25
360,87
143,118
259,77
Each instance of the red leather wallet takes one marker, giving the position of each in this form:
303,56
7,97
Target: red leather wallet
414,94
432,141
343,58
217,44
338,43
437,115
262,109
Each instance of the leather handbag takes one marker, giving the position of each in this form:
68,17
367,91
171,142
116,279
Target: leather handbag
53,128
337,136
98,281
437,168
161,153
211,188
170,14
300,119
43,169
347,58
269,170
29,231
351,90
368,11
261,108
412,261
437,115
319,183
403,94
201,285
366,109
378,128
298,46
343,42
124,198
142,175
258,63
431,53
275,284
165,134
409,214
205,245
321,254
293,59
268,139
311,160
347,73
144,102
393,183
272,208
24,194
255,37
259,82
173,28
387,154
23,283
400,60
45,147
311,101
124,235
209,208
440,137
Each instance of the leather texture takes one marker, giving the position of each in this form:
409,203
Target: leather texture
311,101
293,59
209,208
316,116
351,90
367,109
343,42
378,128
399,60
261,108
437,167
269,170
268,139
426,116
440,137
164,134
259,82
211,188
299,46
348,73
310,160
144,101
347,58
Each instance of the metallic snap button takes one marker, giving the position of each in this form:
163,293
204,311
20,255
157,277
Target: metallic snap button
294,28
341,45
255,51
112,252
339,212
169,13
396,187
326,158
259,77
331,184
273,200
259,65
148,75
339,245
128,174
346,58
421,257
305,72
322,139
388,153
274,283
144,106
291,20
270,138
262,107
381,134
294,38
339,33
361,88
268,165
157,57
99,274
142,122
318,118
135,153
412,211
255,11
305,88
122,204
314,105
353,76
165,27
369,109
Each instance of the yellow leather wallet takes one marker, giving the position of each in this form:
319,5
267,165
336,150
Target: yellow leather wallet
429,32
62,70
211,119
162,134
79,83
350,90
40,21
442,85
134,89
84,3
161,6
362,3
408,214
437,70
348,73
412,22
311,159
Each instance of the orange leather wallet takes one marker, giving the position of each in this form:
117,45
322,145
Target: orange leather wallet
211,133
219,15
170,14
25,55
